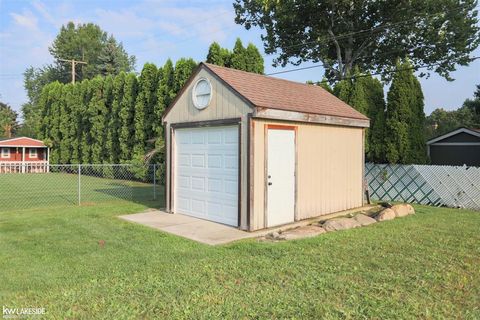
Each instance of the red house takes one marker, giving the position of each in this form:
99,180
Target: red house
23,155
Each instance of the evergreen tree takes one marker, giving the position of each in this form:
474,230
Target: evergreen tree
55,135
148,94
98,112
239,56
45,114
253,59
113,131
8,120
376,113
86,123
127,112
398,115
183,70
343,90
324,84
76,118
65,143
218,55
144,108
417,154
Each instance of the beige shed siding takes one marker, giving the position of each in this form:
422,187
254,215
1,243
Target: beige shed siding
225,104
329,169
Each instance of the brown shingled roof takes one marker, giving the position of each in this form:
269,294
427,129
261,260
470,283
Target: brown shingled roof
274,93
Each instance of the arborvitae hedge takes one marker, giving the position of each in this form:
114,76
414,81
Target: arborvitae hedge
396,133
110,120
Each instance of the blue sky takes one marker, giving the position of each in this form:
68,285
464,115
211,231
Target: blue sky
154,30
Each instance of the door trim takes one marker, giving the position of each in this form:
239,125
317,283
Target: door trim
200,124
265,166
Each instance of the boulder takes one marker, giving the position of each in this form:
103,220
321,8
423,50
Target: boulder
402,210
364,220
385,214
303,232
341,224
275,236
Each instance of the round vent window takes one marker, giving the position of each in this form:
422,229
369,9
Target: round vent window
202,93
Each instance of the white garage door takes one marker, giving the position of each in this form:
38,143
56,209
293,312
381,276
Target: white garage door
206,173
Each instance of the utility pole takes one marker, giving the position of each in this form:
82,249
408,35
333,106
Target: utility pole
74,63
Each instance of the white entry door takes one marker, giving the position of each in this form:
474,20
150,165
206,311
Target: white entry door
206,173
280,177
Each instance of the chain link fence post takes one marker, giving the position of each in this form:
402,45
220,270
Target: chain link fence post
154,181
79,183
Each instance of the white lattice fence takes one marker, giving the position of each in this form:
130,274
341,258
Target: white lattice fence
433,185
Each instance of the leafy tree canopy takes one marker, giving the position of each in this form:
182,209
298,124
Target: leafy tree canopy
8,120
89,43
86,42
441,121
365,33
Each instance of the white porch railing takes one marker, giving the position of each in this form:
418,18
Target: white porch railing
24,167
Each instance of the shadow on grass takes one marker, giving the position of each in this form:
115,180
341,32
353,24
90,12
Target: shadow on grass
143,195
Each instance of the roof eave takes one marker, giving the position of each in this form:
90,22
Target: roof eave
285,115
452,133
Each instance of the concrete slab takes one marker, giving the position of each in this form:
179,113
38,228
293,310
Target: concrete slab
200,230
213,233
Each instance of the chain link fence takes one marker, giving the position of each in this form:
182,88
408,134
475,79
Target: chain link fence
450,186
85,184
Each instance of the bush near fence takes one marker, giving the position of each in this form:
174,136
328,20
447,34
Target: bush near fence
450,186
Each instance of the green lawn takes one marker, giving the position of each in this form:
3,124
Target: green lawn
421,266
21,191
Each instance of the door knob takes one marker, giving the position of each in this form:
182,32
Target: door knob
269,183
269,176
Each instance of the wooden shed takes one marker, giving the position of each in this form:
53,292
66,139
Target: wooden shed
254,152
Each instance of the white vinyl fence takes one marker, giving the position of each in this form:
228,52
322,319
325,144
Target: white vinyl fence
456,187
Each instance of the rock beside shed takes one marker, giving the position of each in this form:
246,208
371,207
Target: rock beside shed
385,214
402,210
364,220
341,224
303,232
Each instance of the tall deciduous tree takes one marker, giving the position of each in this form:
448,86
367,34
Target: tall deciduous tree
86,42
89,43
365,33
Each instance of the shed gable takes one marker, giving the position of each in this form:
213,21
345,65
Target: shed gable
461,137
225,103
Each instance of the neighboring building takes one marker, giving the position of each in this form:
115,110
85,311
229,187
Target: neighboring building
254,152
23,155
456,148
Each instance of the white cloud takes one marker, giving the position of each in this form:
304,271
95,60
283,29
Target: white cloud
26,19
42,9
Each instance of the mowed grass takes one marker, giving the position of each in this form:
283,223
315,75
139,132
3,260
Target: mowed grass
21,191
421,266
